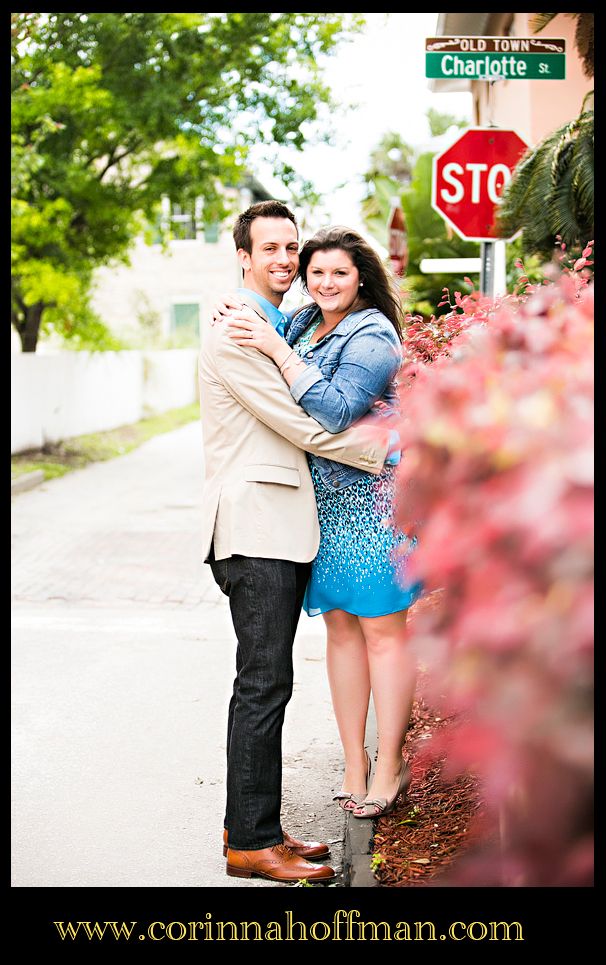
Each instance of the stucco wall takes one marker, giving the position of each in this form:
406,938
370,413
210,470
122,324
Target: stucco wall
535,108
57,396
193,271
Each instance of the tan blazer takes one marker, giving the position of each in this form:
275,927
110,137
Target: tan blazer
258,497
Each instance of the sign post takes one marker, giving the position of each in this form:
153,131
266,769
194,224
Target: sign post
467,183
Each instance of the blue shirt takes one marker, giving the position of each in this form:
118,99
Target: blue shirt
276,317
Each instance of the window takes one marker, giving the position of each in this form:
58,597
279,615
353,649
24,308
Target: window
211,232
184,222
185,318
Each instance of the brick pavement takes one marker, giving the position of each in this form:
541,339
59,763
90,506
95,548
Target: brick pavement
123,657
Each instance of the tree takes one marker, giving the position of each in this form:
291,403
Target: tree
113,110
439,123
391,158
551,192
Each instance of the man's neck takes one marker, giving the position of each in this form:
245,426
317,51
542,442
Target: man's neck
275,299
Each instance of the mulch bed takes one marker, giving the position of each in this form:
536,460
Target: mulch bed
437,821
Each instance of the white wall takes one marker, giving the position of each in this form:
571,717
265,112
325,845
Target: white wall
57,396
170,379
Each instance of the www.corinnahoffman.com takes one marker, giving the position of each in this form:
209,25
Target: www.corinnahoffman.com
344,926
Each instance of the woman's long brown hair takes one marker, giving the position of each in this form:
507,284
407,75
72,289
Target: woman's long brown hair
378,291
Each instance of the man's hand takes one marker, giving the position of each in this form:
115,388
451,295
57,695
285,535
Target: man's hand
224,306
247,328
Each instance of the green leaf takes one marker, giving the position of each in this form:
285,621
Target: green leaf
111,111
552,190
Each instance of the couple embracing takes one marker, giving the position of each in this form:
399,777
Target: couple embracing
298,503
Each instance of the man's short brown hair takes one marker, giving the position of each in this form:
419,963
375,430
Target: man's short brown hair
263,209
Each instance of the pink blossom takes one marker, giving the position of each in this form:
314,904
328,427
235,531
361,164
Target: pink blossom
497,482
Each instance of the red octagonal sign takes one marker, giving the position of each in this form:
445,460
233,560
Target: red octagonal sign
469,177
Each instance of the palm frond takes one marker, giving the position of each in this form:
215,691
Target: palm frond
560,211
552,190
539,21
584,41
583,37
583,185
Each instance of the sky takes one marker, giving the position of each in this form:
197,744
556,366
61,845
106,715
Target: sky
383,71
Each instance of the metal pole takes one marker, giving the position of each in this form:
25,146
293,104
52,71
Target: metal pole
487,268
492,268
500,277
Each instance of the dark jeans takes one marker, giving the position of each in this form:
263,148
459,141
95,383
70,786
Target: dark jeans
265,598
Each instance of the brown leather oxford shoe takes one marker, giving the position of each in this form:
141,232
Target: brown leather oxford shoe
278,864
305,849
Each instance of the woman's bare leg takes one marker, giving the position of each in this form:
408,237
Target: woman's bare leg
392,669
347,665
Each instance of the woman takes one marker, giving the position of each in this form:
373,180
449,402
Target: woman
340,356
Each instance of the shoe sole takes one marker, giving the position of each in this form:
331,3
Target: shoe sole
307,857
246,873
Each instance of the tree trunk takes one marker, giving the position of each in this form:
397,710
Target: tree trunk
30,327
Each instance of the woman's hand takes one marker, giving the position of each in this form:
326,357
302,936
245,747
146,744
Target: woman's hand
224,306
246,328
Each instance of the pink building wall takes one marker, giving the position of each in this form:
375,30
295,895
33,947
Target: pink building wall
535,108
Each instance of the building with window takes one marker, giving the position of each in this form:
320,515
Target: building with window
160,297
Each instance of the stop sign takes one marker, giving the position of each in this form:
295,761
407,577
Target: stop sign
469,177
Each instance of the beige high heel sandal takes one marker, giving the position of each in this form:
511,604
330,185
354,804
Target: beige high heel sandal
378,806
352,799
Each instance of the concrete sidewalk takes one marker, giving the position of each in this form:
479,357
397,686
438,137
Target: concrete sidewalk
123,660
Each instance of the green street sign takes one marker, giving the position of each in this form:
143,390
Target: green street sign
495,58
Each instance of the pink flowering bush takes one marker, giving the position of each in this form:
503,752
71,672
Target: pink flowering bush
497,482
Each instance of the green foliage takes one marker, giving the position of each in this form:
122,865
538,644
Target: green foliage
534,265
80,328
110,111
391,158
428,236
439,123
551,192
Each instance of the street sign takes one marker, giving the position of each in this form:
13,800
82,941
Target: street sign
495,58
449,266
398,238
469,177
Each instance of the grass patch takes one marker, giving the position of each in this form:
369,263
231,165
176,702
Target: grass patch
55,460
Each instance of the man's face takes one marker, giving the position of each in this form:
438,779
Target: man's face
272,265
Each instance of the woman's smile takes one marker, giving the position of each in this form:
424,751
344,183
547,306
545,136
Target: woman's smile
333,280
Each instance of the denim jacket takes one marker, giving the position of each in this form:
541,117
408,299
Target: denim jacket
347,371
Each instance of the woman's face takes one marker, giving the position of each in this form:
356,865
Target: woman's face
333,280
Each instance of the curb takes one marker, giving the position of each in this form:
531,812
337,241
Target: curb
27,481
359,835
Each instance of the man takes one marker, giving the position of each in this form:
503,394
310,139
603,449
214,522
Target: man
260,535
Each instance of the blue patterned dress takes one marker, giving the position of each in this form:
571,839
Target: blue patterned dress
361,561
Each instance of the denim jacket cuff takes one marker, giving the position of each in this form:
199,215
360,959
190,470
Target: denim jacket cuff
304,382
